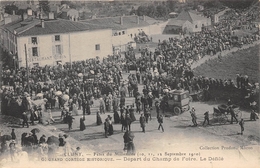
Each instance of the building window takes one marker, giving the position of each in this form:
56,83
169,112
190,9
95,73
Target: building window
34,51
196,26
34,40
58,49
123,32
57,37
97,46
119,33
202,25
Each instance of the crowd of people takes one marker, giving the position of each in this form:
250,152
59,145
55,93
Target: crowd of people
34,148
73,87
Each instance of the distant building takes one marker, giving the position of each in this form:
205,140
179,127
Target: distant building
125,28
219,16
69,14
54,41
186,22
6,18
173,15
51,41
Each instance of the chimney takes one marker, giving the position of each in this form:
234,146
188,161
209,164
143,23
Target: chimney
121,20
51,15
137,20
13,12
42,23
29,12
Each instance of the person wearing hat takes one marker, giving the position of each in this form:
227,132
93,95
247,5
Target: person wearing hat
13,134
25,119
42,139
194,118
82,124
123,120
61,140
142,122
128,122
160,121
128,143
233,115
132,114
106,127
206,117
101,106
111,129
157,106
147,114
70,120
229,103
241,123
138,103
35,138
99,120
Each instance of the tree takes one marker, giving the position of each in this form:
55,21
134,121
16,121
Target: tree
171,5
161,11
240,4
10,8
142,10
44,5
151,11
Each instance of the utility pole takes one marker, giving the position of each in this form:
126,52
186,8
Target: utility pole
70,53
27,69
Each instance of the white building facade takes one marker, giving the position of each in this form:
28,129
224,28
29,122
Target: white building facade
51,48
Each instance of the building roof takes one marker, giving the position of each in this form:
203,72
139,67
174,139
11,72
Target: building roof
50,27
191,17
175,22
128,22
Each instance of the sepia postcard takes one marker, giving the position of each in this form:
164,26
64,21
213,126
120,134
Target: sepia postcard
127,83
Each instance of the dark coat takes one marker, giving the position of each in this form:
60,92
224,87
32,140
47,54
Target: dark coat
116,117
132,115
99,121
82,124
142,121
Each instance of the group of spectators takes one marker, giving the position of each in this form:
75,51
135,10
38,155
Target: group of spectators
34,148
168,68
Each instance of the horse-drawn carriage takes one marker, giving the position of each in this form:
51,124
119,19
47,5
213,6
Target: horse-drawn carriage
221,113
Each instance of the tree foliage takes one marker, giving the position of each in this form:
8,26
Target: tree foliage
10,8
44,5
238,4
153,10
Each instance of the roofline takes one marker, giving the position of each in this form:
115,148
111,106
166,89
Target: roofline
62,33
112,17
39,21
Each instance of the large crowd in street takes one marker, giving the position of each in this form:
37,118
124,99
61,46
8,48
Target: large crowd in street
74,87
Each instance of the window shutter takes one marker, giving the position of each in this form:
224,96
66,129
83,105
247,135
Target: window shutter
60,37
53,38
29,40
38,40
61,48
38,49
53,50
